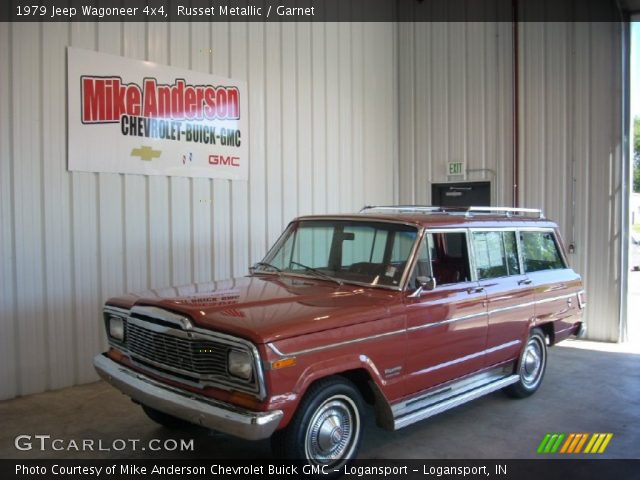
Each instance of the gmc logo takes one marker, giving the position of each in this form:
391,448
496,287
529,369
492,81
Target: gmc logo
222,160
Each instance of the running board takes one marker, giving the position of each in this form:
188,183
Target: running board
407,412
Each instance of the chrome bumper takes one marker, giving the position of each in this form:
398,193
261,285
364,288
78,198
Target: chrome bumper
189,406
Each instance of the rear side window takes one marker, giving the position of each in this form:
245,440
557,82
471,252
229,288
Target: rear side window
540,252
496,254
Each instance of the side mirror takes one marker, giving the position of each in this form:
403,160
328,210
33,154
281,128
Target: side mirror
424,284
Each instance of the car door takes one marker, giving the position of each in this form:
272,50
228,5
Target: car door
556,286
510,297
446,326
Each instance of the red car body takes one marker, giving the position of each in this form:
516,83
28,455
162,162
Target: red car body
393,344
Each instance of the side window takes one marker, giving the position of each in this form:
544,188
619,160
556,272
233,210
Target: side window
423,266
496,254
490,258
511,251
450,258
540,252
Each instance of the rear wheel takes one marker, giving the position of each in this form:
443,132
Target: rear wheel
531,366
165,419
325,429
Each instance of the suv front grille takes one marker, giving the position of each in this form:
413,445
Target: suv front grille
193,357
161,343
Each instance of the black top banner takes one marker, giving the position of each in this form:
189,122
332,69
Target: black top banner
310,10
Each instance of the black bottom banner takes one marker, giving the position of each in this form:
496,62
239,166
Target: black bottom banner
542,469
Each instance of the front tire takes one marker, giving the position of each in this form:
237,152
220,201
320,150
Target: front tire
531,366
326,428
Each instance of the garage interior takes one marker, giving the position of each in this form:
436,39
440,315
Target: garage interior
342,115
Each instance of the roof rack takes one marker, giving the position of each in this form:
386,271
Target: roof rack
508,211
467,211
402,209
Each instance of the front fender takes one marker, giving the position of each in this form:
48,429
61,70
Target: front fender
338,365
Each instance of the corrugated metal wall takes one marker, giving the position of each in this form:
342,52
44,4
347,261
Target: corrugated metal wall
571,150
456,104
323,112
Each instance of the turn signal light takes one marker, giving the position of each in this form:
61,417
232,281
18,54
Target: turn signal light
285,362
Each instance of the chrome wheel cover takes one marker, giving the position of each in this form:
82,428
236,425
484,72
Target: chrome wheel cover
333,431
533,362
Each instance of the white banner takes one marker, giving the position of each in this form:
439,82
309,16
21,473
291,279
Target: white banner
131,116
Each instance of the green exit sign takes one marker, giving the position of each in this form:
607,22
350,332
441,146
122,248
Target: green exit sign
456,168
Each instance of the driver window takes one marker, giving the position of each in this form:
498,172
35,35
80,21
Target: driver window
443,256
449,257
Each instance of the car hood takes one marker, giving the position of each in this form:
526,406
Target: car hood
266,308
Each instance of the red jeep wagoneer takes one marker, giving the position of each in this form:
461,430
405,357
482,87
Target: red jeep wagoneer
412,310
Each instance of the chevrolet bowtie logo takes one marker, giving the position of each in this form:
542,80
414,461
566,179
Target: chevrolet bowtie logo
145,153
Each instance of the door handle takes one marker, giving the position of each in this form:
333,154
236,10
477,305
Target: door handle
475,290
524,281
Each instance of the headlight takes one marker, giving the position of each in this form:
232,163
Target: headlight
116,328
240,364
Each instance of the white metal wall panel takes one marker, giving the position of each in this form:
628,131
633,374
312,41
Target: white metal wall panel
455,100
322,102
572,132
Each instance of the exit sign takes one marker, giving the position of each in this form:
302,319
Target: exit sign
455,168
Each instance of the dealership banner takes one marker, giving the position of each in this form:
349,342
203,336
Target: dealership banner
131,116
264,469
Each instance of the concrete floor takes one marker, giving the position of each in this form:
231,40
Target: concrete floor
588,387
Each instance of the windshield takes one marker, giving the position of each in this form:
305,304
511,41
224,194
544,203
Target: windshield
374,253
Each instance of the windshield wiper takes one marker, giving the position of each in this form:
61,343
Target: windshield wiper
317,272
265,264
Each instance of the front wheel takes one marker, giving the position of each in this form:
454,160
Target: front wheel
325,429
531,366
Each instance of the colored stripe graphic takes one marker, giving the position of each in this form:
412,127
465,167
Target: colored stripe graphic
565,447
572,443
550,443
543,443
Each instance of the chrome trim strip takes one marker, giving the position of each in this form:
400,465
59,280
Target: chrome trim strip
275,350
416,327
447,321
334,345
553,299
581,302
467,357
117,311
400,421
189,406
529,304
572,327
411,261
160,314
512,307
